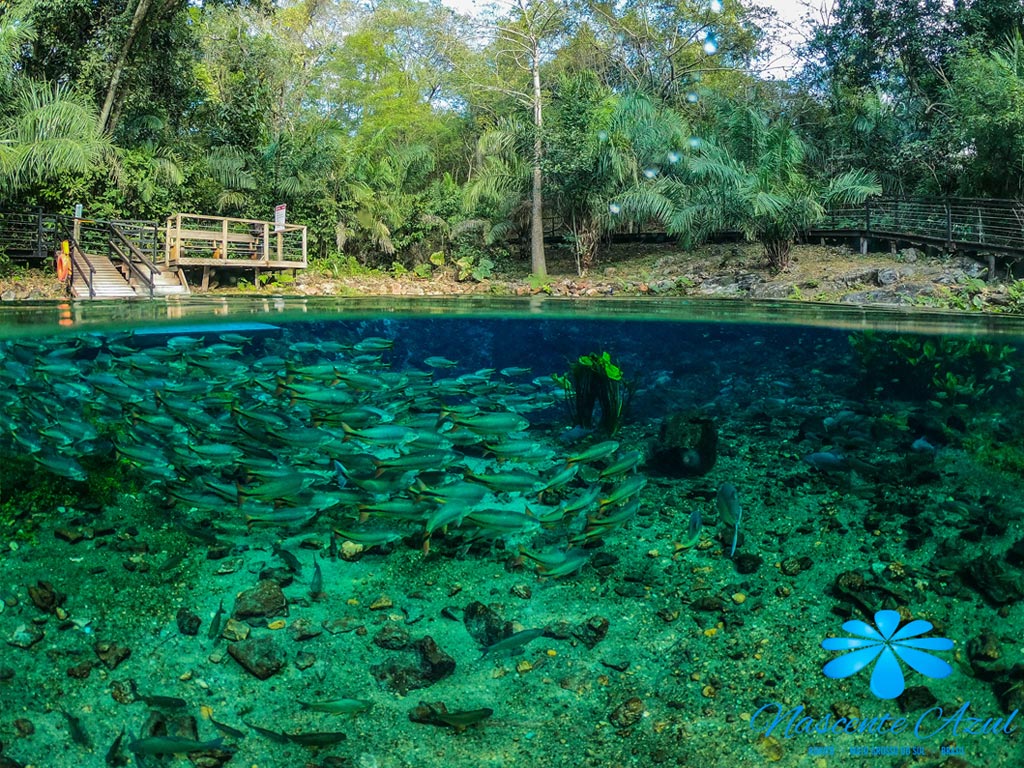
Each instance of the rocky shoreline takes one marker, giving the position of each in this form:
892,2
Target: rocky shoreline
833,274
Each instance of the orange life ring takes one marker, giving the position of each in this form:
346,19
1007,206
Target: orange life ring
63,266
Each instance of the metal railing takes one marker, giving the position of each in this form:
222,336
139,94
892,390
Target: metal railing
975,224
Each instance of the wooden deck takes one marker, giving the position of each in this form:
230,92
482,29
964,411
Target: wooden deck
218,242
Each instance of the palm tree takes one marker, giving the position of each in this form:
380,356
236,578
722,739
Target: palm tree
617,162
753,179
50,130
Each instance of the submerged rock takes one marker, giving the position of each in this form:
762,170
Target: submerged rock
592,631
112,654
25,636
45,597
687,445
627,714
484,625
259,656
434,664
188,622
265,600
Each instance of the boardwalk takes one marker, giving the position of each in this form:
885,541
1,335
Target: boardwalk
956,224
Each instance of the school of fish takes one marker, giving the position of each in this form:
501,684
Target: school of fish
268,430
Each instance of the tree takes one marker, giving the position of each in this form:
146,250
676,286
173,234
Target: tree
752,178
523,42
49,131
614,160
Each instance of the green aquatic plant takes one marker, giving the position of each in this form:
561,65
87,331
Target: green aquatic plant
945,371
592,381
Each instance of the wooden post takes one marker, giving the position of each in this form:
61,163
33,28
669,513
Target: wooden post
266,241
304,262
224,239
280,246
863,246
206,279
949,224
257,278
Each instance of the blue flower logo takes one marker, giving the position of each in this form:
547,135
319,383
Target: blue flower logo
886,644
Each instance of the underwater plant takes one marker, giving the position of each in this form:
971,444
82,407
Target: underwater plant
950,372
594,380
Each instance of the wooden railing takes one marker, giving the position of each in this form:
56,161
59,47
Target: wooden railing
218,241
129,254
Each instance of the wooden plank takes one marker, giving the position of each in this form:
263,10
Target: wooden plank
212,237
197,261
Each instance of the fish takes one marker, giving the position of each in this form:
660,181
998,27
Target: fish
560,478
439,362
693,531
171,745
461,720
558,564
504,482
317,739
338,706
385,434
624,490
65,466
729,510
374,344
164,702
826,461
594,452
627,462
498,423
114,758
515,642
284,487
370,537
316,584
289,559
214,630
76,729
227,730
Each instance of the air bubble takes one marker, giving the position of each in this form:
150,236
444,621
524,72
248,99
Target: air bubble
650,173
695,142
602,135
673,157
692,97
710,45
615,209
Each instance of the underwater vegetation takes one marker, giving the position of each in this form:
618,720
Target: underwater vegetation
948,372
593,382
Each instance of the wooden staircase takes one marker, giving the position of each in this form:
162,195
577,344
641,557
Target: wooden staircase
109,281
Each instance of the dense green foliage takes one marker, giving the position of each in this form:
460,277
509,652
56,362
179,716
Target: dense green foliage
400,129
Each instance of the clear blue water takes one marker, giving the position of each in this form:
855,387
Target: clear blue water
379,492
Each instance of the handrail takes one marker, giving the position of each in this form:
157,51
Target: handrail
76,250
136,257
988,225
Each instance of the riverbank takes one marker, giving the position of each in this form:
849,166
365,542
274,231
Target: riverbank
817,273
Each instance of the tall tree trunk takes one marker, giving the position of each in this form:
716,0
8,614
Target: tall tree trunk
106,114
538,264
